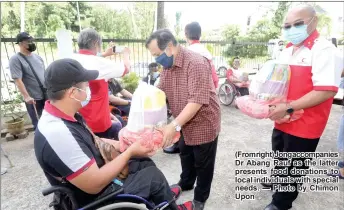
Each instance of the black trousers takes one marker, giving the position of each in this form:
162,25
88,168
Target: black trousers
197,162
243,91
284,142
112,132
147,181
31,111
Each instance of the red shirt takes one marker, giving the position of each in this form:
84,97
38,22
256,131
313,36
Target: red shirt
189,81
96,113
314,66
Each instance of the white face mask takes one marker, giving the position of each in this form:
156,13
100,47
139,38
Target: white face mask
88,97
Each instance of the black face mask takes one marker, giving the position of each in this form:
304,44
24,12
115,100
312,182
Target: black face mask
32,47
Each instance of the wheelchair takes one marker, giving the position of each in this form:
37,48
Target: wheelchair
117,200
228,93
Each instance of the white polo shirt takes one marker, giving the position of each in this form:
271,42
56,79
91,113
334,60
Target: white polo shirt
317,65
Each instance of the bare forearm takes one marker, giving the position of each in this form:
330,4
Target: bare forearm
126,60
311,99
117,101
234,80
110,171
188,113
126,94
342,73
22,88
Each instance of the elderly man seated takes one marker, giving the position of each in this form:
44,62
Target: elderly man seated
65,148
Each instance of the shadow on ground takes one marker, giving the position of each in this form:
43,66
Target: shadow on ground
21,186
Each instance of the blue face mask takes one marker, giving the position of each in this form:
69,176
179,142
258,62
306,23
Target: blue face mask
296,34
164,60
155,75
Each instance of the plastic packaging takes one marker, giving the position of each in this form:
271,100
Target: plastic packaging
148,113
268,88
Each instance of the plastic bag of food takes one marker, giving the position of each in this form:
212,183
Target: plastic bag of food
148,112
268,88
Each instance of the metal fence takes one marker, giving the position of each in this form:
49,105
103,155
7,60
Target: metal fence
140,56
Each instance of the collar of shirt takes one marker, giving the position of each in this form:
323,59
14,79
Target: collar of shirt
195,42
57,113
86,52
309,42
179,58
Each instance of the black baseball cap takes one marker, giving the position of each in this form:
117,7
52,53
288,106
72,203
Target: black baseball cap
22,36
65,73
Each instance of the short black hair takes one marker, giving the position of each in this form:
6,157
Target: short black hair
193,31
58,95
152,65
55,96
163,37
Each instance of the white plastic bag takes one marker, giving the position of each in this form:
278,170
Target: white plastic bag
64,43
148,108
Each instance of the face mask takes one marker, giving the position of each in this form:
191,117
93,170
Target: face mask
32,47
88,97
155,74
164,60
297,34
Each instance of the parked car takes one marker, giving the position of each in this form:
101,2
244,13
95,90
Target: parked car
220,65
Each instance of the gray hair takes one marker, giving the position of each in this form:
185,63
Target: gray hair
87,38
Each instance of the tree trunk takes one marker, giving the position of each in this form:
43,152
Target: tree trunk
160,15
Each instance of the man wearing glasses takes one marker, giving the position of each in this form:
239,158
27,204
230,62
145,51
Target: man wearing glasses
315,66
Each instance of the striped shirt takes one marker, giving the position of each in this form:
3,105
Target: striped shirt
64,148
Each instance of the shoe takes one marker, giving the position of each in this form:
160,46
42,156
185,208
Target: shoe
186,206
271,207
341,164
176,191
174,149
267,185
185,188
335,175
198,205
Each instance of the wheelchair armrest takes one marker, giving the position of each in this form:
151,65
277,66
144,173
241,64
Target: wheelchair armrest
103,199
53,189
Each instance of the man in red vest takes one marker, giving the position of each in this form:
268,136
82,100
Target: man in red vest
315,66
96,112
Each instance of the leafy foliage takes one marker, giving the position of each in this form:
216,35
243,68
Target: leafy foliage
42,19
130,81
12,108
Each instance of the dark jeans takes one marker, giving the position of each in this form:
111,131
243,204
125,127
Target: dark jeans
31,111
147,181
125,109
284,142
112,132
242,90
197,162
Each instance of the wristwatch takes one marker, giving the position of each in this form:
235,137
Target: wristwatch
176,126
290,109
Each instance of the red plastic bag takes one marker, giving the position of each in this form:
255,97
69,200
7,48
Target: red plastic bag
149,137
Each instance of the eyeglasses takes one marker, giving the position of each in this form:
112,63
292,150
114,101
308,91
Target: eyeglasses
296,25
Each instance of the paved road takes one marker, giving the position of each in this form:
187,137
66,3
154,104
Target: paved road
21,186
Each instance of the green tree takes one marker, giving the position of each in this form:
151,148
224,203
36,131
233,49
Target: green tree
231,32
177,26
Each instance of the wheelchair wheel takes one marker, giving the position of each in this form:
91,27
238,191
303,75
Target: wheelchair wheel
226,94
124,206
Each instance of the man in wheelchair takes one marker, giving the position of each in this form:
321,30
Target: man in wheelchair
238,78
66,151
